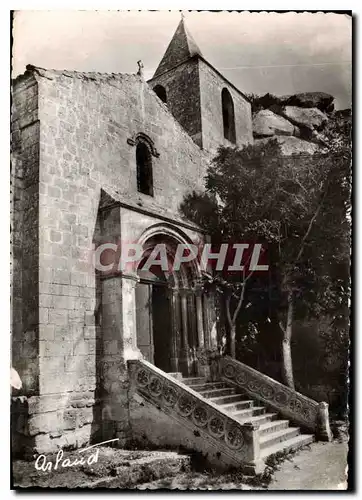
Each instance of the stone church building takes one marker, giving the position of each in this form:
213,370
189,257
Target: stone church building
108,158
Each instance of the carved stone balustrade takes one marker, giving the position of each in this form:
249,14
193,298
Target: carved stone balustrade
291,404
167,412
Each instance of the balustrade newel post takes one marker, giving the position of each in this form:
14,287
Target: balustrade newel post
324,431
252,438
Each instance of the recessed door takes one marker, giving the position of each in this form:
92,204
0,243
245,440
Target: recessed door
162,328
144,320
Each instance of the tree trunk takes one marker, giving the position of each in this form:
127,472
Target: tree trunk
286,345
232,340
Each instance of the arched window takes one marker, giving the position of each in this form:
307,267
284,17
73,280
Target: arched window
144,169
161,92
228,116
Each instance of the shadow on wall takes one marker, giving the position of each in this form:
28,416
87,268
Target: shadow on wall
96,428
19,417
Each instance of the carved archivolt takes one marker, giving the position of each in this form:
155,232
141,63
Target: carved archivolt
141,137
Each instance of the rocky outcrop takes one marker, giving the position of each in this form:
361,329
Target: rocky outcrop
320,100
296,121
312,118
266,123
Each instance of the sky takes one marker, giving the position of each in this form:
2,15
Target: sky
262,52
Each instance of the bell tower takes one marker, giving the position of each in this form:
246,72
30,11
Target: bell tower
176,81
209,107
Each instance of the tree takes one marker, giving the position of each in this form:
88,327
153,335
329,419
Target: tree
295,205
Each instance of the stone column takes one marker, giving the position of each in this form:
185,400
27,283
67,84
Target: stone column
119,316
203,368
199,318
193,335
205,306
130,349
213,320
185,341
176,331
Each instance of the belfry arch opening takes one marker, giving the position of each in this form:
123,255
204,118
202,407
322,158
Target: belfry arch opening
228,115
161,93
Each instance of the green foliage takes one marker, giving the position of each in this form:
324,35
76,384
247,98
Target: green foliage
263,102
299,207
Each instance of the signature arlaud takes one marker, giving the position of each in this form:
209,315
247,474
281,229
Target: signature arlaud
44,464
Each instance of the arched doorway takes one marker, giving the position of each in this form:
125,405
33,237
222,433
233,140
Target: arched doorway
169,312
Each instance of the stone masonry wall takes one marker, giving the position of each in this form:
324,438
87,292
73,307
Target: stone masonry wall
85,121
211,85
24,232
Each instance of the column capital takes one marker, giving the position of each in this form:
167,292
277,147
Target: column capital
120,275
131,276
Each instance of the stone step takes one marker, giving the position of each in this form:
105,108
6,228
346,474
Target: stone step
194,380
276,437
275,434
208,385
233,398
213,393
252,412
176,375
289,445
239,405
273,426
260,419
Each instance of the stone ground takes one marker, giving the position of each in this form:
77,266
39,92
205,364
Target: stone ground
320,466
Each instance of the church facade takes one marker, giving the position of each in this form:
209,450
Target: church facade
99,159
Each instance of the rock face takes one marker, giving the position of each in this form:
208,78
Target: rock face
297,121
313,118
292,145
319,100
266,124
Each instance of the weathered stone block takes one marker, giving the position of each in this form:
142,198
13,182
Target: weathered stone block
60,277
45,300
266,123
44,423
54,192
85,416
309,117
50,365
49,403
69,419
58,316
46,332
43,315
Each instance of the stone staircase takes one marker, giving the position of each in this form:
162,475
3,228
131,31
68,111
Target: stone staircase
239,420
276,435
